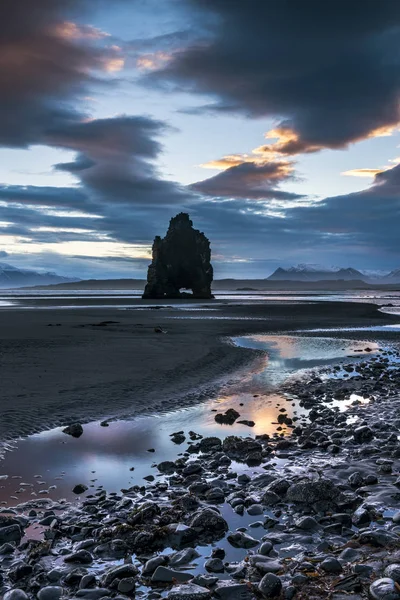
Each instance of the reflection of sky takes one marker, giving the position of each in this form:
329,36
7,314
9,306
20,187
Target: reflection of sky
112,451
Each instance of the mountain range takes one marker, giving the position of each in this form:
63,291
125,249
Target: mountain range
12,277
306,272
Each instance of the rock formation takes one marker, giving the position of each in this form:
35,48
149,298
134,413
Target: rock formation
181,260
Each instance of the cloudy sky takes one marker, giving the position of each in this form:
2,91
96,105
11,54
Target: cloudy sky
274,123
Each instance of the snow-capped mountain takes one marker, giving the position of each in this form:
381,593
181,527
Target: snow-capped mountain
393,276
304,272
12,277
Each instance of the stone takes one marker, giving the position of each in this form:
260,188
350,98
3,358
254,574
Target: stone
208,444
167,466
214,565
331,565
230,590
270,586
83,557
189,592
182,259
209,520
15,595
126,585
307,524
7,549
183,557
93,594
384,589
265,548
227,418
80,488
152,564
255,509
309,492
11,533
363,434
242,540
51,592
126,570
393,571
165,575
75,430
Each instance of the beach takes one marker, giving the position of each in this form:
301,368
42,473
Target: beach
60,366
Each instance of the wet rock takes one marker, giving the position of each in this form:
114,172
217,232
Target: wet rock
126,570
82,557
255,509
152,564
236,447
94,594
307,524
178,438
242,540
19,571
331,565
11,533
210,443
230,590
384,589
127,586
189,592
214,565
270,586
166,575
180,260
363,434
310,492
80,488
75,430
51,592
15,595
209,520
87,581
379,537
167,466
183,557
227,418
393,571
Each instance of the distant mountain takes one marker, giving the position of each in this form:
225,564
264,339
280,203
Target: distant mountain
393,276
304,272
12,277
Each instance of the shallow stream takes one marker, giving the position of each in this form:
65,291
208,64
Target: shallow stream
118,456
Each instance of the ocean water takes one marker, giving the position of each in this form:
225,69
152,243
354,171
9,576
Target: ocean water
129,299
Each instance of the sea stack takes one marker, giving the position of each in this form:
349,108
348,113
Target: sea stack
181,261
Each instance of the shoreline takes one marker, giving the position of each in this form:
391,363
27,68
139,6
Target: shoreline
311,514
122,368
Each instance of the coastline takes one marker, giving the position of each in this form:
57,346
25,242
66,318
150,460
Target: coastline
122,368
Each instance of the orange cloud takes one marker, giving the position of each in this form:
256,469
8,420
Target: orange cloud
153,61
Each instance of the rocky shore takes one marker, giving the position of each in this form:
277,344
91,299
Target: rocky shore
312,511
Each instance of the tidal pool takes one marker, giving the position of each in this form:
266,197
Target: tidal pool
51,463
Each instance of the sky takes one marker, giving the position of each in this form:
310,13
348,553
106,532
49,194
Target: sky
275,125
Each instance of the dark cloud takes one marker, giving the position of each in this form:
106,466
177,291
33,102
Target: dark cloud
46,63
329,72
115,160
249,180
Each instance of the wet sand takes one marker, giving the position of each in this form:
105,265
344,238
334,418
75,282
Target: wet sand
60,366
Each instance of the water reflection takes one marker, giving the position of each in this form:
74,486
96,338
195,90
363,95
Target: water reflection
50,464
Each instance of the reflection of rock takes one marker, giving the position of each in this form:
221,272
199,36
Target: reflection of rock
180,260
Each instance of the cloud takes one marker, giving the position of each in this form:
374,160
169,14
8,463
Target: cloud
46,63
329,73
249,180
